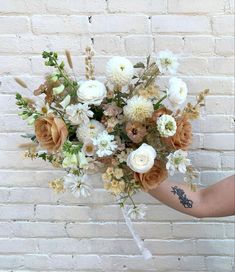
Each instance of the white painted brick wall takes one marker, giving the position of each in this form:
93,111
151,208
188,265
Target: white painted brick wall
41,231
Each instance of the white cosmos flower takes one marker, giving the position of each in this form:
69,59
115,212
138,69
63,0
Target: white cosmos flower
167,62
105,144
142,159
42,107
177,161
166,125
79,113
77,185
138,109
119,71
177,92
137,212
91,92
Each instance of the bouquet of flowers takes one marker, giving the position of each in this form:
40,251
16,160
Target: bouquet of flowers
125,128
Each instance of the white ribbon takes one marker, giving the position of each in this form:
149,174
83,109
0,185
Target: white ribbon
144,251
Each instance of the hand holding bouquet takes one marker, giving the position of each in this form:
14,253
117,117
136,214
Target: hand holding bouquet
125,128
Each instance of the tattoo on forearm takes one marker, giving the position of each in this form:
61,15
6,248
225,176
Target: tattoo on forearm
187,203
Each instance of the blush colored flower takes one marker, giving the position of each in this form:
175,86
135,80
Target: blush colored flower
136,131
51,132
183,136
151,179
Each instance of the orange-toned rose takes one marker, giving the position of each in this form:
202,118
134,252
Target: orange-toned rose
158,113
183,136
156,175
51,132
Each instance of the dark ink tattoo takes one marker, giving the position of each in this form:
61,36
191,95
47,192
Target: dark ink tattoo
187,203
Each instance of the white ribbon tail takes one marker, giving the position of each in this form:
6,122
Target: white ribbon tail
144,251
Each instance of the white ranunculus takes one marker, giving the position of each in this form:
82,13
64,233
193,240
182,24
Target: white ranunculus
142,159
119,71
177,92
91,92
167,62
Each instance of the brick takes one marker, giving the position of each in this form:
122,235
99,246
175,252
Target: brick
219,141
199,230
211,177
120,24
228,160
218,247
199,44
145,45
206,159
180,24
111,44
22,7
148,6
67,24
12,65
75,7
193,66
11,261
221,66
195,7
220,105
17,211
173,43
14,25
224,46
218,264
222,25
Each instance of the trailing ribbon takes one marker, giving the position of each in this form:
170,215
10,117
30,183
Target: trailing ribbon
144,251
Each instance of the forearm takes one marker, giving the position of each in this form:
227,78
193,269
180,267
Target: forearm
179,197
215,201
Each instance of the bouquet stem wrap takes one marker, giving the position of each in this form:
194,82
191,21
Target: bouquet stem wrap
144,251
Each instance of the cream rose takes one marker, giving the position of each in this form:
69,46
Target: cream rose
142,159
91,92
177,92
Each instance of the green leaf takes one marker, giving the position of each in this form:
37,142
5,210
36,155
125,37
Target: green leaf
139,65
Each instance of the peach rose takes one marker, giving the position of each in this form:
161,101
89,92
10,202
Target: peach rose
51,132
183,136
158,113
156,175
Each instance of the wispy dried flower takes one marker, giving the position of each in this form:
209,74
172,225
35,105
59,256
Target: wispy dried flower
69,59
21,82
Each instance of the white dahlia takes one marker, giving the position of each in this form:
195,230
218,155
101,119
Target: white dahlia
91,92
119,71
167,62
138,109
166,125
105,144
89,130
177,92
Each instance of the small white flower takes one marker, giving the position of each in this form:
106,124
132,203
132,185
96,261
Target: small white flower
70,161
42,107
166,125
77,185
58,90
177,92
89,130
92,92
177,161
167,62
137,212
65,101
138,109
142,159
79,113
105,144
119,71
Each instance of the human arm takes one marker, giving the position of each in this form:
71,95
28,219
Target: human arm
214,201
